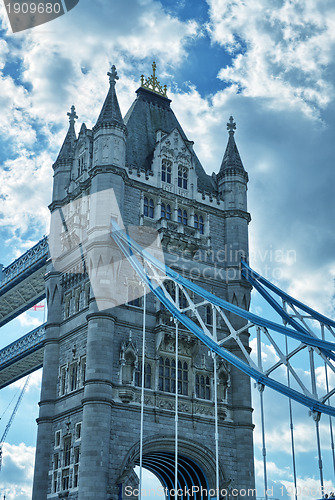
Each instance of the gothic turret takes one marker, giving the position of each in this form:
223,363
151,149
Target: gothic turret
232,184
63,165
110,131
232,178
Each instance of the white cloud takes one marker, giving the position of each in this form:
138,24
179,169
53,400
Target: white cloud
17,471
281,52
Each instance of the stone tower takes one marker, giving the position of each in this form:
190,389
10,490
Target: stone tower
143,170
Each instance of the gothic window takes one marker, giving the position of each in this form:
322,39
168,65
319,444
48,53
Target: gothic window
182,177
202,387
80,165
167,376
75,476
183,216
147,375
134,296
57,439
196,221
67,451
55,482
201,224
209,315
149,207
73,376
82,370
65,479
78,431
165,211
166,171
62,389
56,461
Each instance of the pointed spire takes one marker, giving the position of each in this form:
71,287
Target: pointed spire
110,112
66,152
231,158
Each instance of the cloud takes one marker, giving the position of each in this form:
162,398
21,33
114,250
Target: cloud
281,52
34,382
17,471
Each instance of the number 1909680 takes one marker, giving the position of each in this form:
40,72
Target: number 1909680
34,8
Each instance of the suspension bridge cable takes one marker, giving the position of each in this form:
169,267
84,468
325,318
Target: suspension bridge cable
291,415
261,392
330,418
316,415
291,429
216,410
317,420
178,291
142,392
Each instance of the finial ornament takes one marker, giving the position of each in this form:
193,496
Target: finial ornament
72,115
231,125
113,75
152,83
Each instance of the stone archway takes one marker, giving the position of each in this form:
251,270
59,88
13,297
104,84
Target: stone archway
196,468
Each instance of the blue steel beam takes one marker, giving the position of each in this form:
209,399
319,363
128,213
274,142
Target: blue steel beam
24,266
128,247
21,357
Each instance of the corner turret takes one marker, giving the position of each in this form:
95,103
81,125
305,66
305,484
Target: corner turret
232,185
110,132
232,178
63,165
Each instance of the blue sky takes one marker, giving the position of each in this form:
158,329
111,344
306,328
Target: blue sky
269,63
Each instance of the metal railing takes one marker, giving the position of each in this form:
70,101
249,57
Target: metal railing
28,343
37,254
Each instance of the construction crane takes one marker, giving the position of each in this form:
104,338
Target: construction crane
12,417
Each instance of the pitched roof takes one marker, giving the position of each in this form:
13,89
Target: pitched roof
231,158
110,112
67,150
149,113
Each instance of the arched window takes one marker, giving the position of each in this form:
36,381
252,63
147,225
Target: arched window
201,224
166,171
166,211
163,210
182,177
148,207
147,375
185,218
196,221
180,217
202,387
151,208
134,296
167,376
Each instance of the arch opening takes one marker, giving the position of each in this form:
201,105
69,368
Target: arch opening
192,481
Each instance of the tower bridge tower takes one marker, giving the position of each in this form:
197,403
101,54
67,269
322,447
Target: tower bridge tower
143,170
